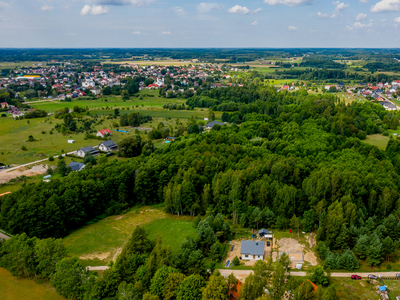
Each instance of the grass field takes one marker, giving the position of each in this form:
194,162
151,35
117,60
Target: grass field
15,133
99,243
13,288
377,140
355,289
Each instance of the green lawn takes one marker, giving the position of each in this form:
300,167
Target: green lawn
99,243
14,288
377,140
355,289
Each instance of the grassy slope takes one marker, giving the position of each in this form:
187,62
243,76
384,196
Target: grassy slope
13,288
355,289
99,243
377,140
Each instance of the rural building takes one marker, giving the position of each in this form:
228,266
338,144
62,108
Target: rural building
265,233
81,152
76,166
71,141
252,250
211,124
389,106
234,294
108,146
103,132
4,105
170,138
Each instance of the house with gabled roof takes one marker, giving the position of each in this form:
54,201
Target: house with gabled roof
252,250
104,132
82,152
108,146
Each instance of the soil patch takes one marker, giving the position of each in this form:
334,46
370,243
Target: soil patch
23,171
289,245
311,258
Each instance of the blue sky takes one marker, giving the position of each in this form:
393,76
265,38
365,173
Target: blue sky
173,23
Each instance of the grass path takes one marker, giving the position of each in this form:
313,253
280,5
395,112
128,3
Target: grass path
14,288
99,243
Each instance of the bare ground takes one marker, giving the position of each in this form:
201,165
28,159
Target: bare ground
23,171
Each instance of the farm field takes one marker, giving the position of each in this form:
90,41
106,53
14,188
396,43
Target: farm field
14,288
377,140
99,243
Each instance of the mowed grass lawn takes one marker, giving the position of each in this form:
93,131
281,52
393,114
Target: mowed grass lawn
99,243
14,288
377,140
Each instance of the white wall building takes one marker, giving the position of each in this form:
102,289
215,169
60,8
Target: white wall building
252,250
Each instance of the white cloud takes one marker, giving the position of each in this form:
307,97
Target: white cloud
124,2
358,25
383,20
386,6
179,10
46,7
360,17
258,10
289,2
397,20
322,16
339,8
255,23
292,28
136,32
237,9
166,32
206,7
66,6
312,30
4,5
94,10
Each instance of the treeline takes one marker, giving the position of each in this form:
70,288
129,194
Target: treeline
321,63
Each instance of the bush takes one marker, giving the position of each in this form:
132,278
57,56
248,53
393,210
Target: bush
236,261
51,158
23,148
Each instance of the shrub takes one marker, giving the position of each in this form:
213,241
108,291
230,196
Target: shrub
51,158
236,261
23,148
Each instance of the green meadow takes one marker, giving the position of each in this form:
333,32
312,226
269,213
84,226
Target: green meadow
101,242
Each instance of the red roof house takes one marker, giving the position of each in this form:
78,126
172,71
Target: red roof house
103,132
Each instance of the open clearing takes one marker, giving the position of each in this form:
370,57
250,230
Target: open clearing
14,288
23,171
377,140
99,243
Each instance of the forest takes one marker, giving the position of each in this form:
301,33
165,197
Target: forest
284,160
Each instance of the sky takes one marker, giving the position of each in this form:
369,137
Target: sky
198,24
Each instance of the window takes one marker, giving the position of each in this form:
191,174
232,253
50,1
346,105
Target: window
246,255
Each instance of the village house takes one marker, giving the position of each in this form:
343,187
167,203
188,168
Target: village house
252,250
211,124
82,152
108,146
76,166
4,105
104,132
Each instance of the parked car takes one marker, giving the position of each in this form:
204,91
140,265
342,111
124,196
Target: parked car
372,276
398,275
356,277
268,244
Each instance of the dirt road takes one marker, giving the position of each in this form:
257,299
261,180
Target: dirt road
98,268
242,274
3,236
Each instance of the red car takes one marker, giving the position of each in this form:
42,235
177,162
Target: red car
356,277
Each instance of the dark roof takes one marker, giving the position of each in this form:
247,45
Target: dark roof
76,166
87,149
109,144
388,104
252,247
265,231
211,124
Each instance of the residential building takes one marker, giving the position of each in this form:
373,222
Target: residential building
76,166
104,132
108,146
252,250
82,152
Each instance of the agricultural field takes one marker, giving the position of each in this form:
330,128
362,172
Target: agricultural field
14,288
15,133
99,243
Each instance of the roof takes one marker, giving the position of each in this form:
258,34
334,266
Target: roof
87,149
211,124
105,131
252,247
109,143
265,231
382,288
76,166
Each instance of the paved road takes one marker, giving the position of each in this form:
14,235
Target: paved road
3,236
241,274
98,268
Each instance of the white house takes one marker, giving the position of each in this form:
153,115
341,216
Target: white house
71,141
103,132
252,250
108,146
81,152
